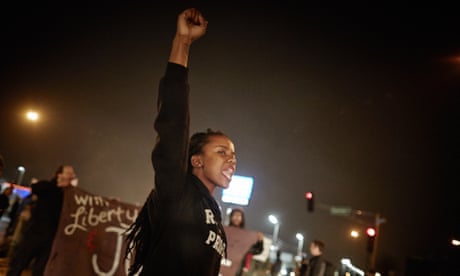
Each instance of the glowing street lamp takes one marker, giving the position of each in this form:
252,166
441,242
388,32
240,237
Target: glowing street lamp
20,174
354,234
274,220
32,116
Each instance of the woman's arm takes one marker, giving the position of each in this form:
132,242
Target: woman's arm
170,154
191,25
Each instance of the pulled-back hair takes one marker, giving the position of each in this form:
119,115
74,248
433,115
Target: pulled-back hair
141,235
198,141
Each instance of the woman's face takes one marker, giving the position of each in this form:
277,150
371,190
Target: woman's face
216,164
236,219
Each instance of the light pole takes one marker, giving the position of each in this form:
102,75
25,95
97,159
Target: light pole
300,239
274,220
378,220
20,175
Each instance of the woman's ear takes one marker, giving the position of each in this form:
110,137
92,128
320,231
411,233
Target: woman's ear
196,161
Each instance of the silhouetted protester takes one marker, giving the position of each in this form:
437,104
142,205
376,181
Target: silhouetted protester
5,199
4,205
275,268
14,203
39,231
179,229
13,214
19,214
237,219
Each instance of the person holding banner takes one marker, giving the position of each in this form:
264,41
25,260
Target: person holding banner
39,231
237,219
179,229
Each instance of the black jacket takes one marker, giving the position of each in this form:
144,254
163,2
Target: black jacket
188,237
316,266
46,210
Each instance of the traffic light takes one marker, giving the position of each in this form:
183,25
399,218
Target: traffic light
310,201
371,233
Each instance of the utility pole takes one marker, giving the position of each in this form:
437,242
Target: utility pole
378,220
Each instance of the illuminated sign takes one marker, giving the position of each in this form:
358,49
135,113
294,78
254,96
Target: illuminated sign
239,190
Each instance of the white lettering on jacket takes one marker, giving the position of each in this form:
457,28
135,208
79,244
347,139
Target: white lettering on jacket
214,239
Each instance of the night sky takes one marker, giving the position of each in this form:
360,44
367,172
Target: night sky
357,105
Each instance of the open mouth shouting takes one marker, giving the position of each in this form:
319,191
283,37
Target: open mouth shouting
228,173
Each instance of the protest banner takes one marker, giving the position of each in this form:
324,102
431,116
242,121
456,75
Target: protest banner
238,243
91,238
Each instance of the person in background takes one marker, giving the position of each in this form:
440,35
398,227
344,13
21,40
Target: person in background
316,263
275,268
237,219
179,229
8,203
18,219
39,231
5,199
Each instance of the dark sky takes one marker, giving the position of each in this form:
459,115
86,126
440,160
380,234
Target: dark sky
357,105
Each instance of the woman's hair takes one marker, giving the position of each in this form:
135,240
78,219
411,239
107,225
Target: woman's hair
138,238
243,221
140,235
198,141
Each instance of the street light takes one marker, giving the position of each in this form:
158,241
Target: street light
20,174
274,220
32,116
300,239
354,234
